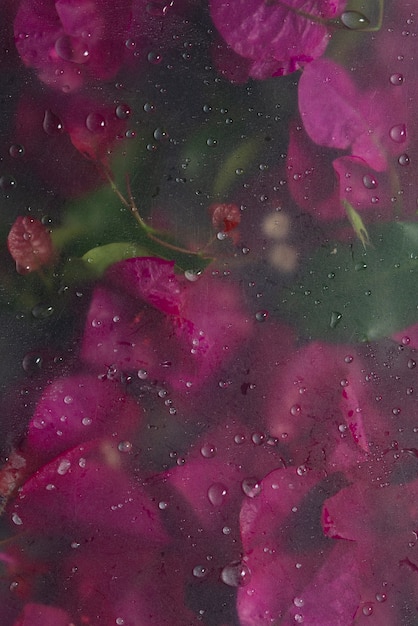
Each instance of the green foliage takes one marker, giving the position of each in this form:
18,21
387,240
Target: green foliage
349,293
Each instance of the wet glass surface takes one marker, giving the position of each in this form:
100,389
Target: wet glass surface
209,314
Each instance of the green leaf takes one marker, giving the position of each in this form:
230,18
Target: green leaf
100,258
348,293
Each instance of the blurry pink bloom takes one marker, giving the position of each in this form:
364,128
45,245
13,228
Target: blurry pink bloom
336,114
30,244
107,499
287,554
67,41
43,615
143,317
276,37
77,409
318,405
319,182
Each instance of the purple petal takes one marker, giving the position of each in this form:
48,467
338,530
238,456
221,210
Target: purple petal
275,35
85,488
77,409
149,279
329,105
43,615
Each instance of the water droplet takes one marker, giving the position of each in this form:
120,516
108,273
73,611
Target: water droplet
154,58
236,574
160,135
354,20
381,597
95,122
411,364
200,571
142,374
124,446
208,451
369,181
52,124
251,487
396,79
335,319
16,150
16,519
262,315
295,409
72,49
86,421
217,493
63,467
404,159
211,142
301,470
398,133
32,363
299,602
7,183
42,311
119,621
367,610
149,107
122,111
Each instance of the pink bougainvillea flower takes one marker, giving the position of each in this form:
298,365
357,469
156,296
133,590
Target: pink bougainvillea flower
336,114
107,498
320,183
276,37
285,551
67,41
30,244
143,317
378,524
318,406
76,409
43,615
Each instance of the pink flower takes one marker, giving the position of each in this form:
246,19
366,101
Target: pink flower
43,615
275,37
143,317
320,183
30,244
287,554
337,114
75,410
68,41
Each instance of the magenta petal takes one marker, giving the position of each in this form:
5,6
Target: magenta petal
77,409
82,489
274,35
333,595
43,615
149,279
328,104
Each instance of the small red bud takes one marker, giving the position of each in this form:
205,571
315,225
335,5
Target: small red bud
30,245
225,217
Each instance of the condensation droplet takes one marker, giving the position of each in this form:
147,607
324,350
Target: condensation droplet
404,160
95,122
354,20
124,446
122,111
396,79
369,181
251,487
16,151
52,124
398,133
262,315
236,575
217,493
208,451
200,571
